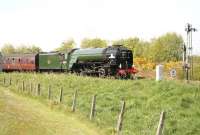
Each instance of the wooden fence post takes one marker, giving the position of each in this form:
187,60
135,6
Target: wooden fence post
120,118
18,86
38,89
61,94
74,101
161,123
10,81
93,107
49,92
16,81
4,80
31,88
23,86
29,85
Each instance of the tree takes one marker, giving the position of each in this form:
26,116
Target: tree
93,43
134,44
141,49
28,49
35,49
166,48
66,46
130,43
7,49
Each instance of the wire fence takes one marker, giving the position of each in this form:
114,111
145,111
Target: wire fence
37,90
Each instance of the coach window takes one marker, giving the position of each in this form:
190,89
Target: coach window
13,60
32,62
8,61
19,60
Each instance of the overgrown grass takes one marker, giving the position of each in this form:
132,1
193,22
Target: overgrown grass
195,70
145,99
24,116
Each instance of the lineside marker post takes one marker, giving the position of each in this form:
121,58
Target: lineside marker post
61,94
38,90
93,107
49,92
161,123
120,118
74,101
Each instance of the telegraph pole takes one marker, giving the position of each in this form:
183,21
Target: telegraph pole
187,53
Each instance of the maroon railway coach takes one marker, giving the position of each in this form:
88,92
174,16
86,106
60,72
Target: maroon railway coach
20,62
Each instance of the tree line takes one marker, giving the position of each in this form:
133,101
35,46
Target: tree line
167,47
10,49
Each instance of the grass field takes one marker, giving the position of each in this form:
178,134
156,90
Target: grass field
25,116
145,99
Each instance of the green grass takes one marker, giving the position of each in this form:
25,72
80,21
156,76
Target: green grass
196,70
145,99
25,116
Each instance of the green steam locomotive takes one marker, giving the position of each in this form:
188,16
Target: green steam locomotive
110,61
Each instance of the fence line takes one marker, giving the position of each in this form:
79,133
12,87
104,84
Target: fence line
10,81
120,119
23,86
61,95
49,92
31,87
93,105
38,89
4,80
74,102
161,123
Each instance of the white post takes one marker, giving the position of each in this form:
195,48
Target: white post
159,72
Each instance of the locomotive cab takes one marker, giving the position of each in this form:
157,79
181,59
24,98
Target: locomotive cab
120,56
125,59
122,64
120,61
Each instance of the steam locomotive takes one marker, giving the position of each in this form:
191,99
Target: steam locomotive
114,61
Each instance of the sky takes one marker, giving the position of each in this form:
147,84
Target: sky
47,23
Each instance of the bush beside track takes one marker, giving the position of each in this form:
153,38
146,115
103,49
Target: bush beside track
145,99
